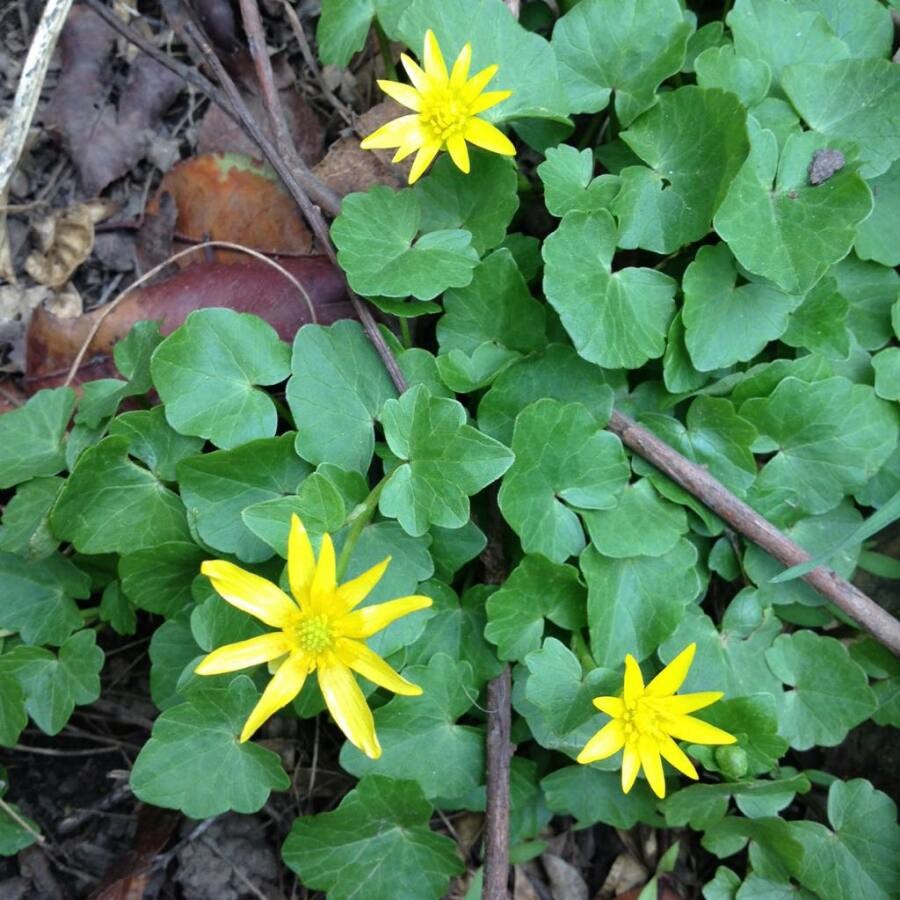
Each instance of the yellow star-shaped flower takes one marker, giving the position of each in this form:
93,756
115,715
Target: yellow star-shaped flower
445,107
645,719
319,629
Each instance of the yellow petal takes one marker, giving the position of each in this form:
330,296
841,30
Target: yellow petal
458,152
672,676
402,93
347,705
608,740
687,728
250,593
251,652
420,80
612,706
393,134
631,765
634,682
363,623
433,58
685,703
673,754
652,764
478,82
483,134
355,591
284,686
404,150
461,67
301,561
487,100
324,583
423,160
370,665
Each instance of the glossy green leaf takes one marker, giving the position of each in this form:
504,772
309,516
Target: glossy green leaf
383,253
378,838
628,47
636,602
194,762
217,487
54,684
337,388
111,505
39,597
853,99
159,579
875,236
641,524
725,324
558,373
693,142
31,438
618,320
420,738
830,692
535,590
569,183
563,459
154,442
207,373
443,461
555,697
887,373
592,796
832,436
783,228
721,67
496,307
481,202
781,34
26,519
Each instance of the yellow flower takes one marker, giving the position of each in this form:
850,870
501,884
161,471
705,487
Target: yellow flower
319,630
645,719
446,108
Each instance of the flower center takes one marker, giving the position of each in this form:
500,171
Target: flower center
640,719
444,115
313,634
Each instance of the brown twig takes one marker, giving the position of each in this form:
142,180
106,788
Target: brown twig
498,749
343,110
712,493
311,212
321,193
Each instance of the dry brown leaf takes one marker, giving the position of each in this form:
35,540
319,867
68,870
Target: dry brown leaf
565,880
254,287
104,141
65,241
231,197
523,889
348,168
624,874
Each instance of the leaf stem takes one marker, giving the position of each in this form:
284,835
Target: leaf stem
359,518
405,334
583,652
385,46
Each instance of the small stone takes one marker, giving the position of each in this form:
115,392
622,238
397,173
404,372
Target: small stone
824,164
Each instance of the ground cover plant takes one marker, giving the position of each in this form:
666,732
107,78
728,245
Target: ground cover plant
482,550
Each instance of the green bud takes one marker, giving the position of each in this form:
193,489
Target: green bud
732,760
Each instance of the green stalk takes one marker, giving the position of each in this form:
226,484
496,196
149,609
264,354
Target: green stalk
390,70
359,518
405,334
580,648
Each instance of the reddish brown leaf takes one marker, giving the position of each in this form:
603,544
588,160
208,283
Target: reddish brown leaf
230,197
254,287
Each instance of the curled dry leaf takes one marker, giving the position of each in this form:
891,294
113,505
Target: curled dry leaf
347,168
231,197
104,141
65,241
254,287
